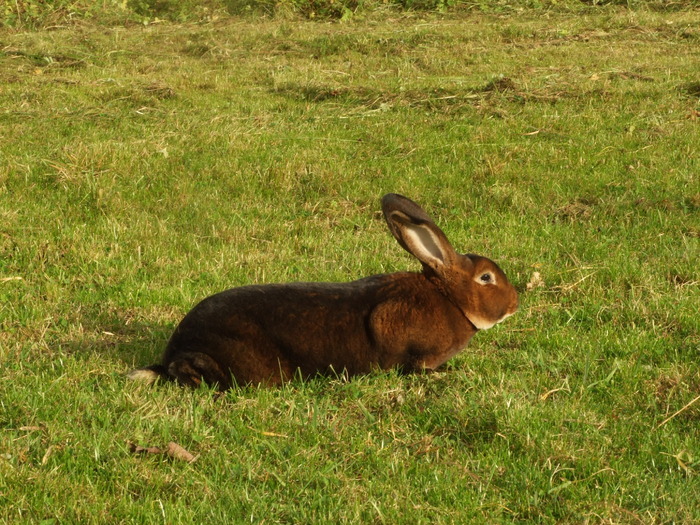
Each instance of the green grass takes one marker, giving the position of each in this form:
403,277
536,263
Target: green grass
143,168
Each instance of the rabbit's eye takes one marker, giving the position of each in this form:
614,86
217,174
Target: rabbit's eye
486,278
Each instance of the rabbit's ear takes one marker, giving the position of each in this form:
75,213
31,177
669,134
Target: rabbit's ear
417,233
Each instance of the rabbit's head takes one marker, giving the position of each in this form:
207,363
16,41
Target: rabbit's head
474,284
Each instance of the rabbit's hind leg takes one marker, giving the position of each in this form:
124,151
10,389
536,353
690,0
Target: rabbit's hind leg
193,368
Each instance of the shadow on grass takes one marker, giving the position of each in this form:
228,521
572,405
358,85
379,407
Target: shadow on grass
119,337
440,99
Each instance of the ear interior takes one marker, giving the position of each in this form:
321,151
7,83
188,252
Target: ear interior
422,239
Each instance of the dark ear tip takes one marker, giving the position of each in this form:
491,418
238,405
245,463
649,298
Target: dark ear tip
392,198
392,202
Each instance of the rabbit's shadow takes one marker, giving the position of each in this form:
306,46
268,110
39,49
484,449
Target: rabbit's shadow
117,336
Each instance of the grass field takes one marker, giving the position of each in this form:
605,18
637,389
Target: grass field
143,168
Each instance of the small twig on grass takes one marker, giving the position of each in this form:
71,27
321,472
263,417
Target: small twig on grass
175,451
47,455
31,428
669,418
172,449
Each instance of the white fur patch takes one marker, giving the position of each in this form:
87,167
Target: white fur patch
144,375
483,324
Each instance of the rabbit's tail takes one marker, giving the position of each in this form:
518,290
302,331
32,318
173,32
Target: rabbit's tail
150,374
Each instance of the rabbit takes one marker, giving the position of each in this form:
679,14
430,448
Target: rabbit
414,321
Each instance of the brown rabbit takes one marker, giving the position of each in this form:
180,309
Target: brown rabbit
267,334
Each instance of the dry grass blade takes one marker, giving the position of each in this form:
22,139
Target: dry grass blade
677,412
8,279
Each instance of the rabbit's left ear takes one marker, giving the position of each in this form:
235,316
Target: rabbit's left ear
417,233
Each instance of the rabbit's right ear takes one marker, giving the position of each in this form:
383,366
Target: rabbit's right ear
417,233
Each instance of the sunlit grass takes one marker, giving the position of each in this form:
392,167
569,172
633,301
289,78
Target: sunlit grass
142,169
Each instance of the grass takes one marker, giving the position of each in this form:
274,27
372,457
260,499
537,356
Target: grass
143,168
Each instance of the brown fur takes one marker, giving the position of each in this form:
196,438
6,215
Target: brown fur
267,334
